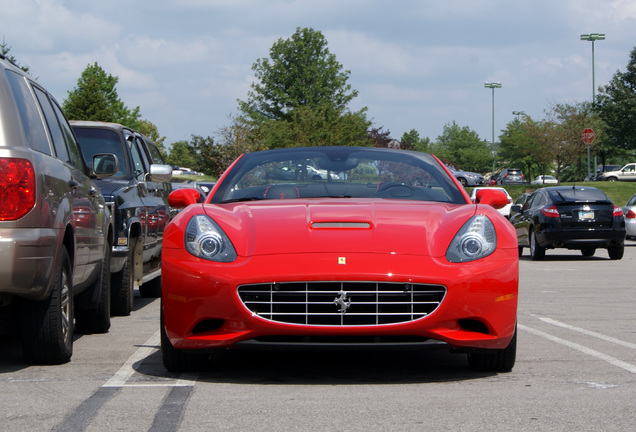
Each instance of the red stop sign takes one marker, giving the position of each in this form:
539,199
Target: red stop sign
588,136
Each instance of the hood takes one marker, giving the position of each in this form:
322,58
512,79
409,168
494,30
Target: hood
340,225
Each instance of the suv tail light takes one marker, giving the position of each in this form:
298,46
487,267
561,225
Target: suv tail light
17,188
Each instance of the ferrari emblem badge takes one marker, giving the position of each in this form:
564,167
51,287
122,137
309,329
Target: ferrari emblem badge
342,260
343,302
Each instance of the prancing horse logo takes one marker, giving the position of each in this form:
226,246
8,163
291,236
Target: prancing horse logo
343,302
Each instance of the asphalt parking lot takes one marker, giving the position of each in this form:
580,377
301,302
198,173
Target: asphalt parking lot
576,370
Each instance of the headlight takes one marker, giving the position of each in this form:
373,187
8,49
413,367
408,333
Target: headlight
205,239
475,240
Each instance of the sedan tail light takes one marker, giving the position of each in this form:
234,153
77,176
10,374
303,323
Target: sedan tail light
630,214
617,211
17,188
550,211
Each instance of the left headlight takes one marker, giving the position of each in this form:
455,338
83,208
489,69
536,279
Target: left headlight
205,239
476,239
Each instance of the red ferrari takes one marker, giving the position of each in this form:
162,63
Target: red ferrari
339,247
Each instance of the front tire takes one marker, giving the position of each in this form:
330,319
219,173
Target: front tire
537,253
97,320
46,327
588,252
499,360
122,284
176,360
151,289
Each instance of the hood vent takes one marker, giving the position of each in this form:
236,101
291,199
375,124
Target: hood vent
341,225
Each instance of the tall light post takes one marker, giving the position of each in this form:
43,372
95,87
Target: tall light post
518,113
592,37
493,86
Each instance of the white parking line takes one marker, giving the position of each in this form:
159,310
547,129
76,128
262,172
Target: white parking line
599,355
126,371
587,332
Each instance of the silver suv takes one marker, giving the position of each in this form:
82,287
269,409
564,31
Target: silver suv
55,227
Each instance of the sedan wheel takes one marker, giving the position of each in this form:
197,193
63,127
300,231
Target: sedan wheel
588,252
537,253
616,252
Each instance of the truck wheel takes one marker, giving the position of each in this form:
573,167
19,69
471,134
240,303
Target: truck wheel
151,289
97,320
46,327
122,284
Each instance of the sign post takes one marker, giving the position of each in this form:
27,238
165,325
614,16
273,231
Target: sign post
588,138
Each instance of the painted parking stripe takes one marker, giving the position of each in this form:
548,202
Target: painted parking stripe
599,355
588,332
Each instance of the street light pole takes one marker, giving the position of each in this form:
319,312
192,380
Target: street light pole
493,86
592,37
518,113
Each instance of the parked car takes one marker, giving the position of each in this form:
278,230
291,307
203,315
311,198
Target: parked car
571,217
505,210
519,202
626,173
511,176
395,255
467,178
630,217
600,169
55,228
138,197
544,179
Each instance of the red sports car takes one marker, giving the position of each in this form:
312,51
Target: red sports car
339,246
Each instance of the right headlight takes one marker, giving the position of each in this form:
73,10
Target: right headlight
476,239
205,239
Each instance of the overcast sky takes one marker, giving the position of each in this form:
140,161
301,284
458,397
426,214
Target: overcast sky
417,64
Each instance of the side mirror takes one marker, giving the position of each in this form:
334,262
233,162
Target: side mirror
515,208
104,165
160,173
181,198
493,198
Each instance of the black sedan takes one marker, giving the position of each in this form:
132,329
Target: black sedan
571,217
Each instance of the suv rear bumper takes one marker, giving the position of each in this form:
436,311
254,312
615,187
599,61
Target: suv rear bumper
28,261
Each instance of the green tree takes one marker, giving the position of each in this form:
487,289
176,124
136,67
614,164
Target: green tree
181,155
150,130
616,105
463,148
4,50
411,141
516,149
95,98
301,96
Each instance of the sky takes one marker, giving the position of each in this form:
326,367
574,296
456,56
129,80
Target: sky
417,64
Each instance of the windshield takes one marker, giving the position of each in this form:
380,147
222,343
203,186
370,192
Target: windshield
346,172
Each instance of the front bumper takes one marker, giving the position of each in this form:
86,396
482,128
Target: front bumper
202,309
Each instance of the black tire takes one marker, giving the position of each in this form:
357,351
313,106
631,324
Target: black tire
520,250
498,360
122,284
175,360
46,327
151,289
537,253
463,181
97,320
616,252
612,179
588,252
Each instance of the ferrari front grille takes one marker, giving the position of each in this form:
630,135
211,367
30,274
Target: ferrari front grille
341,303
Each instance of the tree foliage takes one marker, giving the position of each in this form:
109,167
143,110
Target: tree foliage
301,95
95,98
463,148
616,106
411,141
4,50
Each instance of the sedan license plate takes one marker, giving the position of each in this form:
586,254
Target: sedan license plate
586,215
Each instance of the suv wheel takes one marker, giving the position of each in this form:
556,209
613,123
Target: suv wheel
97,320
616,252
46,327
537,253
122,284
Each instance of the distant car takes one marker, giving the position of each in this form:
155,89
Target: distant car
571,217
630,217
56,230
393,255
626,173
511,176
505,211
468,179
544,179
